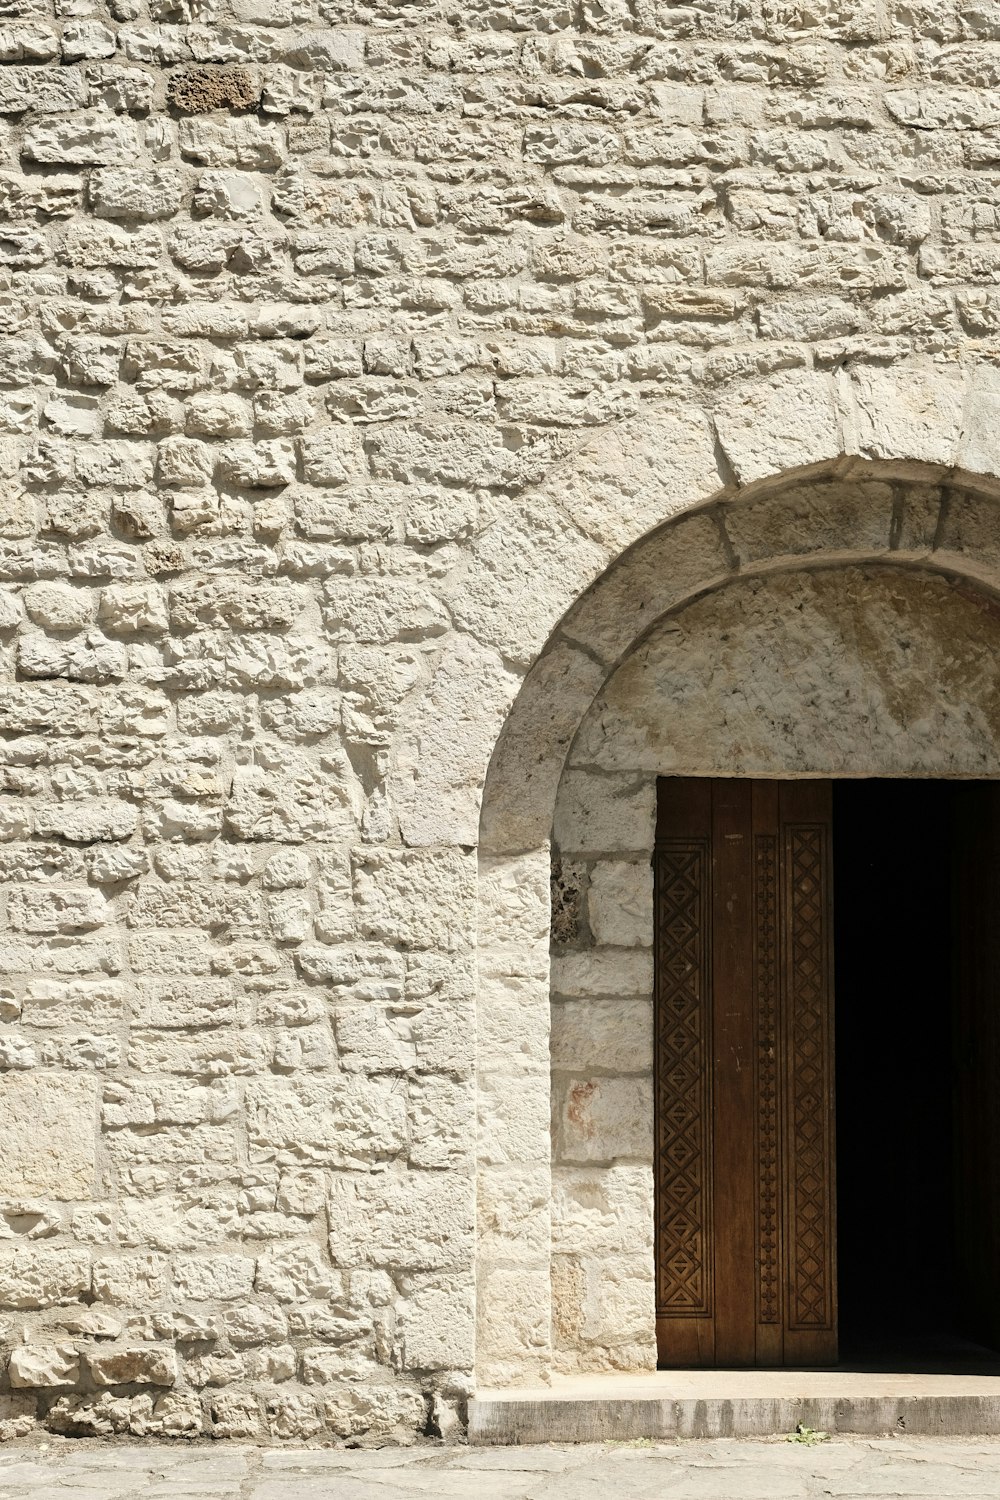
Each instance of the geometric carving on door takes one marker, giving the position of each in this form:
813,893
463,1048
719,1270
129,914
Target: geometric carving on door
766,1009
684,1104
810,1196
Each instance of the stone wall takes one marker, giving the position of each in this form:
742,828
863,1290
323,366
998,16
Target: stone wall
341,348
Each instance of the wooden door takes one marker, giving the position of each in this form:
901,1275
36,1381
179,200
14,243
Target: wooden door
745,1173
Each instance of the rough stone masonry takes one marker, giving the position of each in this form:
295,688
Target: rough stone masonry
301,303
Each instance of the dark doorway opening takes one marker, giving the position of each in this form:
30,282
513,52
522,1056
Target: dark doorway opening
915,951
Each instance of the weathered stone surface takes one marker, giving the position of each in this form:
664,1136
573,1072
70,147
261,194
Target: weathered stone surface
44,1365
851,637
418,1219
136,1366
34,1277
49,1141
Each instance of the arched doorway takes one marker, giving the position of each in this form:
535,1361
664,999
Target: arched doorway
862,581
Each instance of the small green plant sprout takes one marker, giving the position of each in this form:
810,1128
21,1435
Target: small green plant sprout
807,1435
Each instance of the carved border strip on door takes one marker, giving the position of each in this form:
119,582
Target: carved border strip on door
809,1227
684,1105
766,1009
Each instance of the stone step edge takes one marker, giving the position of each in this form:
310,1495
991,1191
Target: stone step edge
510,1420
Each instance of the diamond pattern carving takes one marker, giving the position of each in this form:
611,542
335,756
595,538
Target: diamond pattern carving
809,1228
683,1209
766,980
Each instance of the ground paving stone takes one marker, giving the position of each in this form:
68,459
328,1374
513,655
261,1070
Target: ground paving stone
845,1468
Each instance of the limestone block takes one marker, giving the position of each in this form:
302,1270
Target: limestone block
513,1219
437,1322
620,903
173,1222
847,627
788,421
32,1277
99,245
130,1280
48,1134
264,806
970,535
600,813
834,518
279,413
371,972
288,869
513,1323
43,1365
512,1021
224,601
524,572
58,607
442,1121
306,715
243,142
147,1365
513,905
514,1117
439,515
417,898
602,1211
296,1274
835,268
331,456
391,1412
56,909
130,608
86,1002
92,659
184,463
218,1278
86,819
376,611
911,413
612,1034
267,465
979,442
127,193
439,777
217,414
234,1414
84,139
309,1123
618,1303
603,1119
417,1220
256,1324
291,1416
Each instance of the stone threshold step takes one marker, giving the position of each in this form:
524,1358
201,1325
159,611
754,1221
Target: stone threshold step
737,1403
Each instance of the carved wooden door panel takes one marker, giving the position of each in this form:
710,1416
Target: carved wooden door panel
745,1171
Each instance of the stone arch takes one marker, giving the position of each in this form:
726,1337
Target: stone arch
883,468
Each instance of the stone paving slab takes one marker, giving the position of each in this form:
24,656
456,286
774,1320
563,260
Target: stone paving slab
838,1469
845,1468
